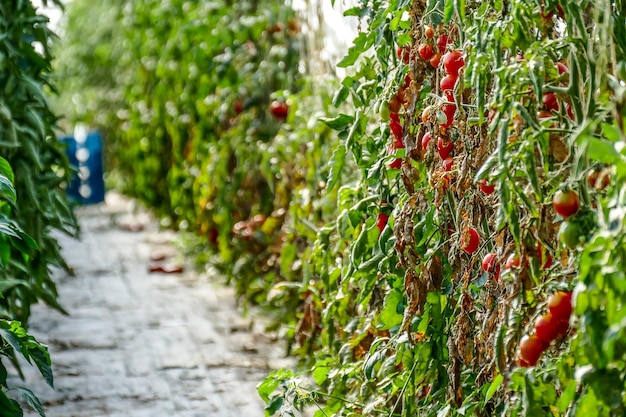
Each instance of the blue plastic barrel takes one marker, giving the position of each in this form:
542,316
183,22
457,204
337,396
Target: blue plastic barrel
84,151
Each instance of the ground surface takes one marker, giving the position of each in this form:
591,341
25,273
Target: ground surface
144,344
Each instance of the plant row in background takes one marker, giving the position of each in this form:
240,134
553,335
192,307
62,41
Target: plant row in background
32,204
455,248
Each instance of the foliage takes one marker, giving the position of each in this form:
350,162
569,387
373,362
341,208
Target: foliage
426,330
38,161
13,340
32,203
370,245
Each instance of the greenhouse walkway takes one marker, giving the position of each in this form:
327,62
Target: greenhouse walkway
140,343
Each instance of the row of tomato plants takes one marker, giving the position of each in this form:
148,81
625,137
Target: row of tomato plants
33,167
454,248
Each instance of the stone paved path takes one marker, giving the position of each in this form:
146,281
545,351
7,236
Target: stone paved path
145,344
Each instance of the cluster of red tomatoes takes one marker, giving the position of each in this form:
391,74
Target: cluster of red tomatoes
548,327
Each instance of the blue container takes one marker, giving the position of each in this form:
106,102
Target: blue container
85,156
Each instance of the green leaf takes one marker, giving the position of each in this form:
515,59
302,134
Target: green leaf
340,122
40,356
493,387
320,374
354,52
602,151
31,400
336,164
392,316
5,169
448,11
11,339
6,285
6,188
341,95
287,257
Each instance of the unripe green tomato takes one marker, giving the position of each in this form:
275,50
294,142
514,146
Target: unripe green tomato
384,112
569,234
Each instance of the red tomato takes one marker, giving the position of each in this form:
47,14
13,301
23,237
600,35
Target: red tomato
485,187
238,106
598,179
396,128
448,82
426,51
444,147
448,110
404,54
448,163
568,109
429,32
550,102
489,262
407,80
453,62
562,327
396,163
530,349
435,60
512,261
470,241
442,43
382,221
547,328
562,68
279,109
565,203
489,265
560,305
540,252
426,140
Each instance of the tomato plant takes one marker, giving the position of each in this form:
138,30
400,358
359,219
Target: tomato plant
400,321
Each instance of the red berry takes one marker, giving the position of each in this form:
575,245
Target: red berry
448,111
453,62
562,68
512,261
396,128
279,109
404,54
444,147
550,102
470,241
429,32
238,106
426,140
565,203
426,51
448,163
442,43
560,305
568,109
448,82
435,60
486,187
489,265
382,221
540,253
530,349
562,327
396,163
546,328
